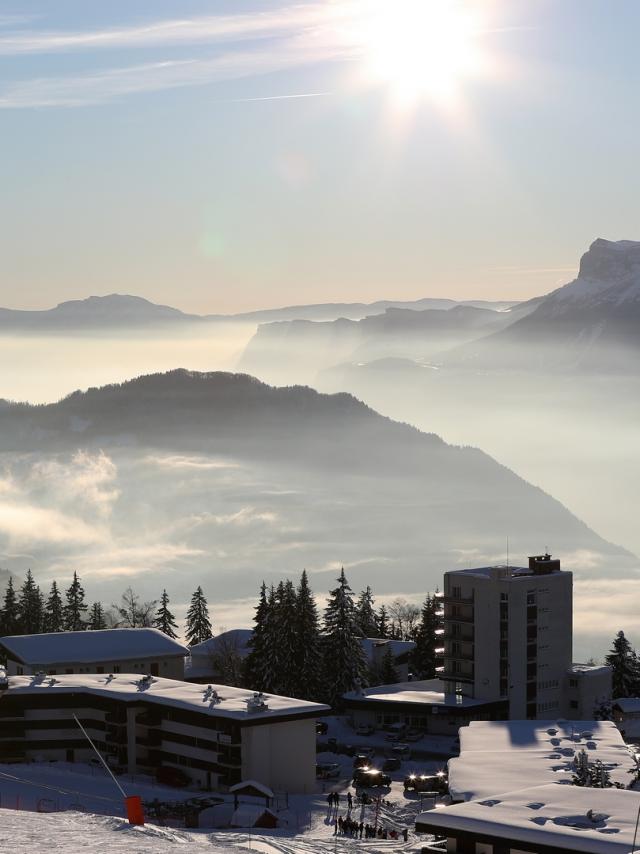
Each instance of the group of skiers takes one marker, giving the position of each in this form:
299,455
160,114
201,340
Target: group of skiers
346,826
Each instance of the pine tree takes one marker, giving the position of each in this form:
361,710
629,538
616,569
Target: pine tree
345,665
626,669
10,616
366,615
258,664
423,657
307,652
75,607
388,674
282,639
383,622
53,620
164,619
30,606
97,619
198,628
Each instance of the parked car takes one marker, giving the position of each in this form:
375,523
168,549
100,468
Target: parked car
395,732
365,729
368,777
426,783
322,727
327,770
402,751
413,735
361,761
391,764
169,776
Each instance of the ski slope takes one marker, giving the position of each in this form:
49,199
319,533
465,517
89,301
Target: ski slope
72,833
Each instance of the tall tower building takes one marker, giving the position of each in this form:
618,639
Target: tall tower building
508,635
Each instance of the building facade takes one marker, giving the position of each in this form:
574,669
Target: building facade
508,635
217,735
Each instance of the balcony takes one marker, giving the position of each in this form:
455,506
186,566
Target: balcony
461,655
458,618
452,599
450,676
462,636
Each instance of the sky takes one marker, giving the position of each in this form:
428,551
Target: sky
236,154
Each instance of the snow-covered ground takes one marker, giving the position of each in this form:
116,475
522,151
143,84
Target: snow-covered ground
62,807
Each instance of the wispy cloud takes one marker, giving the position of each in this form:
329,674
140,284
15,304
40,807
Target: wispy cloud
274,98
112,84
174,32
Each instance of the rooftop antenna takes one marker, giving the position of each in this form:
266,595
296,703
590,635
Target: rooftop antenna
507,552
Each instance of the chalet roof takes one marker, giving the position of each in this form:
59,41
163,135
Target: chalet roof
106,645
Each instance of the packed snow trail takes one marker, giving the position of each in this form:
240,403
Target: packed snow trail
72,833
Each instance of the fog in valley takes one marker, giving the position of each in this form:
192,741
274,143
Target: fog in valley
183,478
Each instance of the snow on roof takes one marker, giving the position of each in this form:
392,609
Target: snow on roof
580,669
213,700
426,691
397,647
510,572
551,815
236,639
627,704
537,751
87,647
252,784
248,814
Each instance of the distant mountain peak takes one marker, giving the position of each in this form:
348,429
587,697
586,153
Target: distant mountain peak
115,304
609,260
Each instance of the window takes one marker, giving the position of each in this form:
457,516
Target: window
531,598
573,704
20,671
116,668
573,683
504,597
456,592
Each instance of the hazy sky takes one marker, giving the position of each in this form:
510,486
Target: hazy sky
471,153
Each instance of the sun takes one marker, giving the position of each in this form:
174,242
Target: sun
421,49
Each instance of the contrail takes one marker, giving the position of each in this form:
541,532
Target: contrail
274,98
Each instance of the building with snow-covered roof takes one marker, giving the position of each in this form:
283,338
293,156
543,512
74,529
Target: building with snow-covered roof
141,650
549,819
419,704
218,658
508,634
376,648
217,735
626,714
537,752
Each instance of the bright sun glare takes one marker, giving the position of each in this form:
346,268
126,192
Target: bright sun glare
421,49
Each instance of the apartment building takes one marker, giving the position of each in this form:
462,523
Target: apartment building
141,650
508,635
216,734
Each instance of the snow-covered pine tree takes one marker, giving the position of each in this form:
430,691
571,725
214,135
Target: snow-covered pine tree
53,619
97,619
626,669
259,675
75,608
423,657
30,606
366,615
164,619
198,626
282,639
307,652
345,664
9,615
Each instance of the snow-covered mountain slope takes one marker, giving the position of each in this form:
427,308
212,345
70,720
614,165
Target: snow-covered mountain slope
592,323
